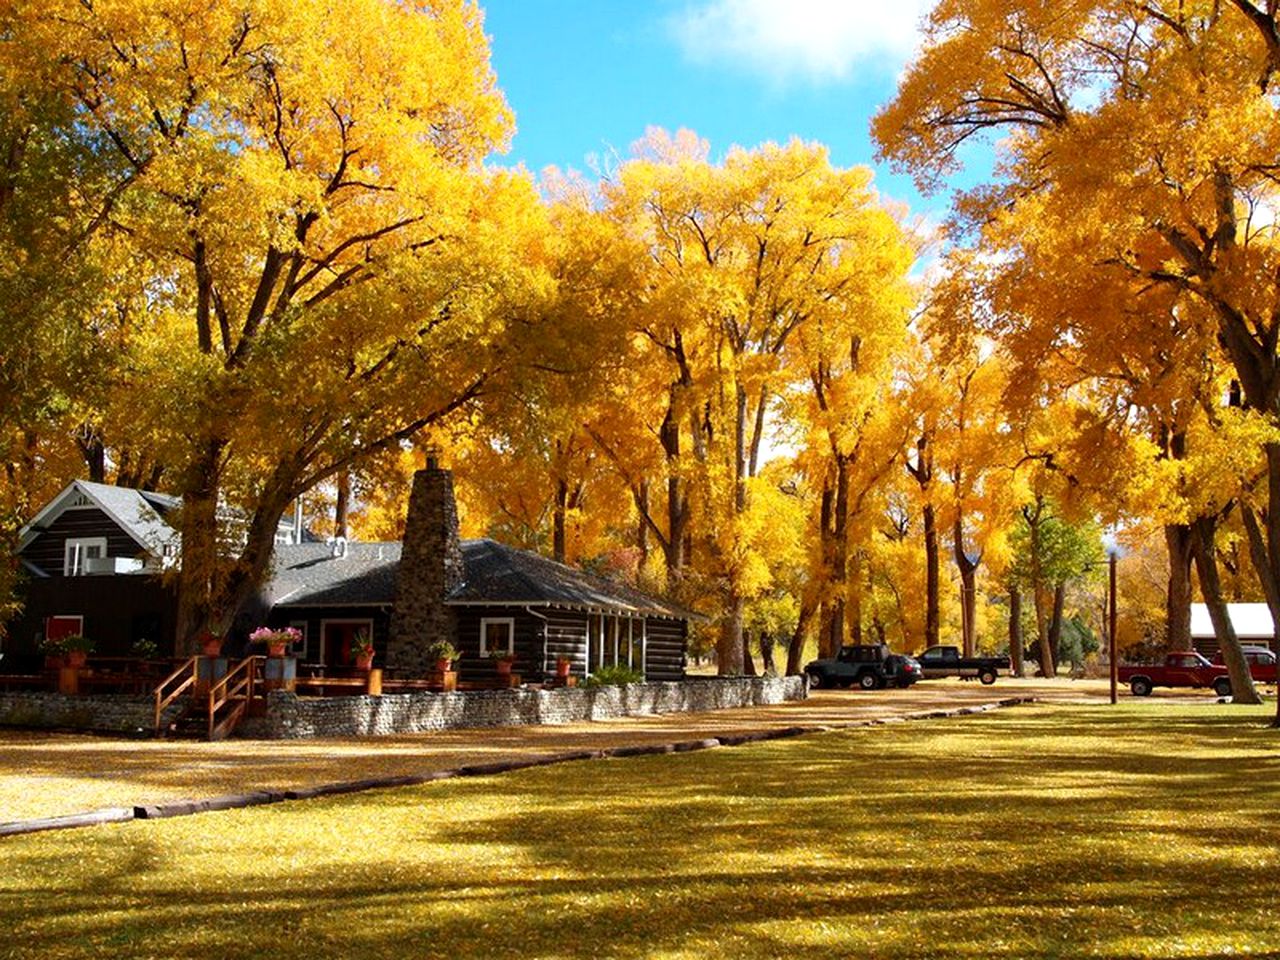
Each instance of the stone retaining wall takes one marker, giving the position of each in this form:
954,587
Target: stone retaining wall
290,717
133,716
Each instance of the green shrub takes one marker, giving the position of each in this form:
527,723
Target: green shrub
614,677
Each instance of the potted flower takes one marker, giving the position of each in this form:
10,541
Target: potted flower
563,666
55,652
276,641
503,662
77,647
143,649
362,650
444,653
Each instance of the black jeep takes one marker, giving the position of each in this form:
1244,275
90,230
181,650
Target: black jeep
869,666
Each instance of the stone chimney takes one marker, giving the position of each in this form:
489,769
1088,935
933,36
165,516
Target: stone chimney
430,568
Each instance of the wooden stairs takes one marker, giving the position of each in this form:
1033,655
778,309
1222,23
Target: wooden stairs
213,708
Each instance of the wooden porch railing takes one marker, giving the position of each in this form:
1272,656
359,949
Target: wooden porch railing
174,686
231,694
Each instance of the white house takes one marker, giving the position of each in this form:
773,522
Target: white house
1252,622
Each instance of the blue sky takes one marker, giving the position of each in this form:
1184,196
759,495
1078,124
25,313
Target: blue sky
586,77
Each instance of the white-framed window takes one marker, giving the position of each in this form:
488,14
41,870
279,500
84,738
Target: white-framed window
497,636
77,550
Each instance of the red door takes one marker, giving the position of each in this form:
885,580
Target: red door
338,635
62,625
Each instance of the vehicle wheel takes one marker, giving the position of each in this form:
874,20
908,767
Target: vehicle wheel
1222,687
816,681
1140,686
988,677
868,681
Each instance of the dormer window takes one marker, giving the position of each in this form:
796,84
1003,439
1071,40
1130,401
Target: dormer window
78,551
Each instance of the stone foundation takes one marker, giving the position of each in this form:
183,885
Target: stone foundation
291,717
132,716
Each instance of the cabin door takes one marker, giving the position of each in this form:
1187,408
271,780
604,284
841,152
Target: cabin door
57,627
336,637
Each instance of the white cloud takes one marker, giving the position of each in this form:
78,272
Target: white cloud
821,41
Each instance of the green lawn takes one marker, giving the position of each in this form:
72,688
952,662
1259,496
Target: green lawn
1138,831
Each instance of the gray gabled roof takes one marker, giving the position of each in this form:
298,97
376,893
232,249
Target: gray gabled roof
138,513
499,574
309,575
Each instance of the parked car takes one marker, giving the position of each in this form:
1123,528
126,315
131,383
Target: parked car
1261,660
869,666
1180,669
945,661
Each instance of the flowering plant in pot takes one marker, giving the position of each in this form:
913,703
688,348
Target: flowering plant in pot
444,653
503,661
277,641
362,650
55,652
77,648
563,666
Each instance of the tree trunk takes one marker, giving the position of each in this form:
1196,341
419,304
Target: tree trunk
677,501
93,451
795,647
1177,609
729,648
1015,633
1242,688
968,570
558,521
642,528
767,663
748,664
1043,604
854,608
1055,625
198,575
341,505
931,558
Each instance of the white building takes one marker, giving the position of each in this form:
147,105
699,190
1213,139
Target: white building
1252,622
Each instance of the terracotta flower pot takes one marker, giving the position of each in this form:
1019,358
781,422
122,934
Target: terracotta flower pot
562,668
504,667
364,661
276,649
76,659
442,666
211,648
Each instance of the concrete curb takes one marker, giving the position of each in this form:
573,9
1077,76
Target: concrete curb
235,801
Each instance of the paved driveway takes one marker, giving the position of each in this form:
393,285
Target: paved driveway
43,774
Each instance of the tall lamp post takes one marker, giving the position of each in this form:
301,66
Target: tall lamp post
1111,631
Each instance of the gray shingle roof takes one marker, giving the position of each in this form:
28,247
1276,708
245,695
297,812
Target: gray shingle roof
137,513
140,514
308,575
497,573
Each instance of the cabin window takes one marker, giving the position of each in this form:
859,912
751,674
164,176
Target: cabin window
78,551
497,636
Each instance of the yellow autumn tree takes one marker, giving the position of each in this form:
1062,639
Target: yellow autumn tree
1145,134
742,256
303,183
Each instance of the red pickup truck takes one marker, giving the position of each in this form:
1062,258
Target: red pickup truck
1262,663
1181,669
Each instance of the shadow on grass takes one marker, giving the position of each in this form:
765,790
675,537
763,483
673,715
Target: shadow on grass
1037,834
